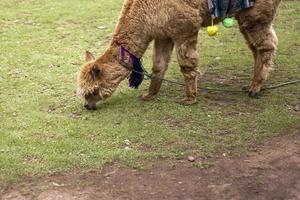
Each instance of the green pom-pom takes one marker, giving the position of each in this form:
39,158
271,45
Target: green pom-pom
228,22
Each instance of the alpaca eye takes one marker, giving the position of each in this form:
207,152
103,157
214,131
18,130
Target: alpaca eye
96,72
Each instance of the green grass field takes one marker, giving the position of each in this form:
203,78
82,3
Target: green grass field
45,129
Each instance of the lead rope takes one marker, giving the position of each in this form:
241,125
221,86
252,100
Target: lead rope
151,77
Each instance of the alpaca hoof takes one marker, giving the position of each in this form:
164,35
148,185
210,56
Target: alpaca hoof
188,101
147,97
252,94
245,88
254,90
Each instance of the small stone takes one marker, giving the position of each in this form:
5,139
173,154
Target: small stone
191,159
127,148
75,115
109,174
297,108
101,27
127,142
29,22
58,185
53,65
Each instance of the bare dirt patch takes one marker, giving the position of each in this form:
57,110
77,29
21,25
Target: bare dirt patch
272,172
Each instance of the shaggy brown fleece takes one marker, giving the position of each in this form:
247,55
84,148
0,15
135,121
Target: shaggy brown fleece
174,23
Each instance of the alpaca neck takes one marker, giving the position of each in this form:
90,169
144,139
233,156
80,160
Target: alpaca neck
131,34
131,31
134,42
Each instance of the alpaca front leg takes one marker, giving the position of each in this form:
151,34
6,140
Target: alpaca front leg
161,58
187,56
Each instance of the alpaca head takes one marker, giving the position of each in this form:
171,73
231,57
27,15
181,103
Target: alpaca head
98,79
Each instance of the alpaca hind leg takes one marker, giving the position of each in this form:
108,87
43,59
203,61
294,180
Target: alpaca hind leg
187,56
264,40
249,43
161,58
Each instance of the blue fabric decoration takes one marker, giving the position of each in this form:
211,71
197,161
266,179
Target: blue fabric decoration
137,75
222,8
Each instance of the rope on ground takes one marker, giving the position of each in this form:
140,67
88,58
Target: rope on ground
150,76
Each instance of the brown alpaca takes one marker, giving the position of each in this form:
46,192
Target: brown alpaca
173,23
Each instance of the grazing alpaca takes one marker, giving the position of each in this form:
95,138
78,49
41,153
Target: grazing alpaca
172,23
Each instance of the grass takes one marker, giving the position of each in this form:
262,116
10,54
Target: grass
44,128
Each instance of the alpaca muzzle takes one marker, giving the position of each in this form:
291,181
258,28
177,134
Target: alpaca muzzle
90,106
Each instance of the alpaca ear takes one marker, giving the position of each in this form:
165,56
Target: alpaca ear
96,72
89,56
